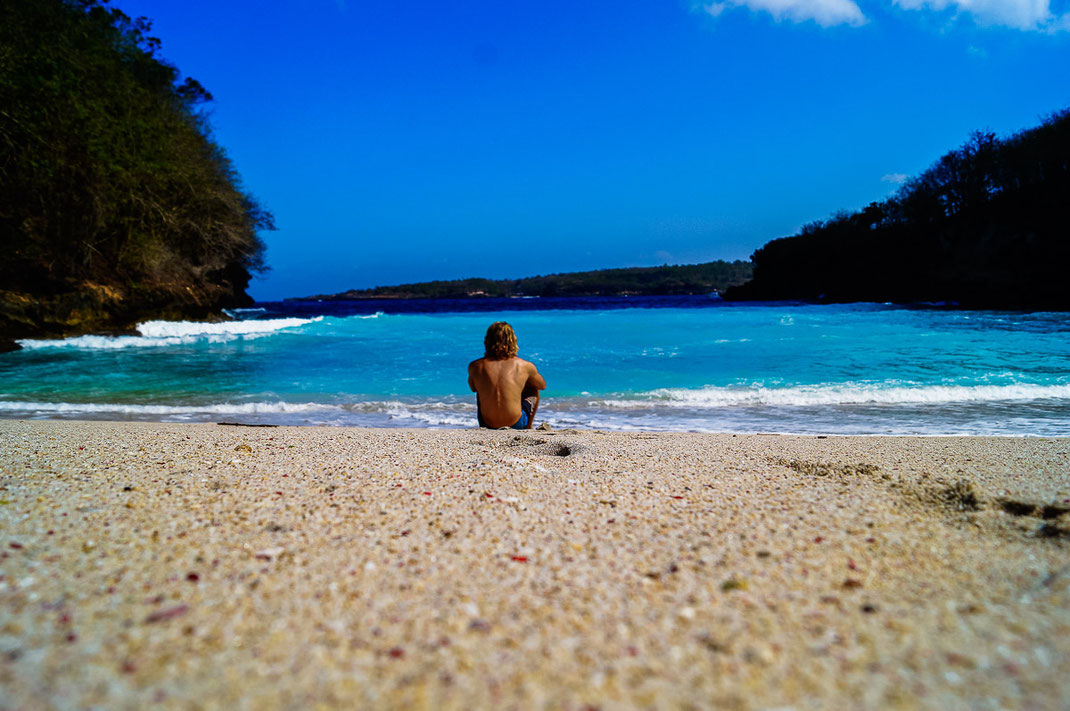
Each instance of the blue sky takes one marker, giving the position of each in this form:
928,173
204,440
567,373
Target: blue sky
405,141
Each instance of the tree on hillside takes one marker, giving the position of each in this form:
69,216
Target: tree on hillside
985,225
108,170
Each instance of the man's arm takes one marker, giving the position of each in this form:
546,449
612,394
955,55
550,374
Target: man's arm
471,380
534,379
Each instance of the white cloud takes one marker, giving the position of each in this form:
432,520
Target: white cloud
1018,14
896,178
824,12
1033,15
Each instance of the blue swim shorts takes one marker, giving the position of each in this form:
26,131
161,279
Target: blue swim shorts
521,424
525,415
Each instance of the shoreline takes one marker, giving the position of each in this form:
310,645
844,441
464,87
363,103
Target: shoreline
474,427
386,417
207,565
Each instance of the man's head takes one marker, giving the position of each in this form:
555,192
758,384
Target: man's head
500,341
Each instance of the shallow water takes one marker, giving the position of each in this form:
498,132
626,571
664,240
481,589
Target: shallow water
670,363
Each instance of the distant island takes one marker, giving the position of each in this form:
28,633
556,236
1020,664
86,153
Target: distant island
987,226
645,281
116,205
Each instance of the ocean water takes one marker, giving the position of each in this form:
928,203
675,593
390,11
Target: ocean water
672,363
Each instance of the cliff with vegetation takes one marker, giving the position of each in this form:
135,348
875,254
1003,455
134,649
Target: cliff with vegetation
986,226
116,205
647,281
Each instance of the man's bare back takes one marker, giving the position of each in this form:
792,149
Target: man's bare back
506,387
501,386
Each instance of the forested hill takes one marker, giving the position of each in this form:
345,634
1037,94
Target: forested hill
647,281
987,226
115,203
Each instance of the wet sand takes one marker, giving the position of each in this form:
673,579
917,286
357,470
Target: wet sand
207,566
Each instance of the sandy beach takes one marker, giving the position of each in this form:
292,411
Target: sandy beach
209,566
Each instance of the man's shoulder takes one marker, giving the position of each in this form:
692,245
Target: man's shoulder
476,362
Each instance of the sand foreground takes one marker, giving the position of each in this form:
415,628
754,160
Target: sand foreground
207,566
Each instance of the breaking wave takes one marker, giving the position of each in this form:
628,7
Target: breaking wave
380,413
246,408
838,394
238,313
175,333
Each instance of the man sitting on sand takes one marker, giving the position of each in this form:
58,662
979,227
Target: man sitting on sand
506,387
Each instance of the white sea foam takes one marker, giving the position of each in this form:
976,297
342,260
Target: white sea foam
175,333
225,408
440,413
173,329
431,417
575,411
836,394
233,313
572,412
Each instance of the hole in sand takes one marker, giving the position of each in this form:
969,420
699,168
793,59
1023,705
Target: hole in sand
1018,508
1051,511
560,450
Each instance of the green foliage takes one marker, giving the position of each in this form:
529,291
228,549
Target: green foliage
108,172
984,226
683,279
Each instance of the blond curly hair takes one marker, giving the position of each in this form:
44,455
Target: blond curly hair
500,341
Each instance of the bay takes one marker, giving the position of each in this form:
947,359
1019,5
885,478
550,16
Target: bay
624,363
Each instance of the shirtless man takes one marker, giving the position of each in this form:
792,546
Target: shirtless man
506,387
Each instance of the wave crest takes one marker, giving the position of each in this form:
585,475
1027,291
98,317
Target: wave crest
387,411
246,408
840,394
175,333
179,329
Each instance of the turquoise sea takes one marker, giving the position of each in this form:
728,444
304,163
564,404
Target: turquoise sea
682,363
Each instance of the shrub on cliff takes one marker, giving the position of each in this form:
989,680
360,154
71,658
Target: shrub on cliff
108,171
